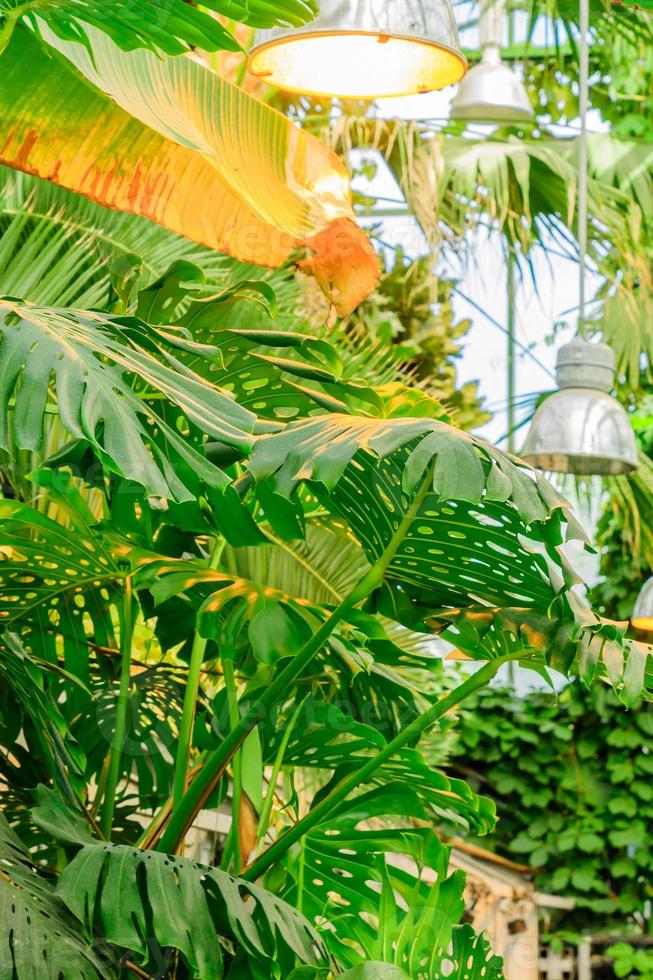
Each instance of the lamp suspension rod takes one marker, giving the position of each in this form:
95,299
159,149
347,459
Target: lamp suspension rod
582,159
493,13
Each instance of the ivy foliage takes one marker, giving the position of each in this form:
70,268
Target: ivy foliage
571,776
630,962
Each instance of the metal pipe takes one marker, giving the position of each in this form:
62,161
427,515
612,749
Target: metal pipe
582,159
510,291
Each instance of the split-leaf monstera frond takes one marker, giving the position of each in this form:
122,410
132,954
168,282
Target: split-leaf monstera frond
53,580
38,936
488,535
116,888
346,869
136,430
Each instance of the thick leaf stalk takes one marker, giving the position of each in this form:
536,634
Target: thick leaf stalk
122,707
180,778
184,813
322,810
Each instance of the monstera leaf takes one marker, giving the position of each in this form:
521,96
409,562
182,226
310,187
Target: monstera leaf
172,133
93,360
487,534
38,937
468,538
115,888
340,868
389,890
54,575
155,704
569,636
25,698
413,940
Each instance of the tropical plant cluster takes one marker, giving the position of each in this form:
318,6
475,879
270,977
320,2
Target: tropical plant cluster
226,541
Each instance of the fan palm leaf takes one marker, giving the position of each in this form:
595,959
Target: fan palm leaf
58,248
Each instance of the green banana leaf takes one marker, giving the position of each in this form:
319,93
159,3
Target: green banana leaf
156,135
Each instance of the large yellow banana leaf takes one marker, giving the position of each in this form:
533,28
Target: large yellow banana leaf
169,139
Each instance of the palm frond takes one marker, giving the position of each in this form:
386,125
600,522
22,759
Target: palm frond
172,28
58,248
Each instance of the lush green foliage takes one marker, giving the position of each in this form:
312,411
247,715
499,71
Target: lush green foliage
225,531
170,27
67,591
631,962
571,777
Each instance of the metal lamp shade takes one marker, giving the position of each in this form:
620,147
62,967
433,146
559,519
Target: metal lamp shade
491,92
364,49
580,429
642,618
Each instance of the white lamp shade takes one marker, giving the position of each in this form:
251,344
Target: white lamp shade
491,92
582,431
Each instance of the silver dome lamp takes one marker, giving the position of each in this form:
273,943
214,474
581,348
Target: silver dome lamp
642,617
491,91
364,49
581,429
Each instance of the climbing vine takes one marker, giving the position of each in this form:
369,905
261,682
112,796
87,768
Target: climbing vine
571,776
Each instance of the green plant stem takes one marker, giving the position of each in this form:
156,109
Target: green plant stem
232,701
300,878
186,809
109,804
478,679
266,809
182,757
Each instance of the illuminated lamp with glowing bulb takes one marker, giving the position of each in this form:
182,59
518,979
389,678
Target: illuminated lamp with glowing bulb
364,49
642,617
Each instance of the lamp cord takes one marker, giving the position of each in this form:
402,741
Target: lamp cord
582,160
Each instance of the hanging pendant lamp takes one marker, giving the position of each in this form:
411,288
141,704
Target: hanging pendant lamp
491,91
581,429
642,617
364,49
